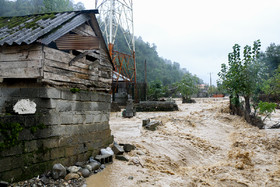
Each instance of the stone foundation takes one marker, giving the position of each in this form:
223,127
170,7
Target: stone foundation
66,127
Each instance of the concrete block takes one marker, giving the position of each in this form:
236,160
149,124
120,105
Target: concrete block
64,105
57,153
50,143
45,133
30,146
70,151
53,93
103,97
10,92
89,118
104,106
104,117
16,150
94,96
68,95
12,174
118,150
5,163
79,119
25,134
29,92
52,118
67,117
84,96
104,159
45,103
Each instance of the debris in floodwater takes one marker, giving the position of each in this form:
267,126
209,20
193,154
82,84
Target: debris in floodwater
151,125
118,150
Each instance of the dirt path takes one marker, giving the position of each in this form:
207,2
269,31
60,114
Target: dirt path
200,145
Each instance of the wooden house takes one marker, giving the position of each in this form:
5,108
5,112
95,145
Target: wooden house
60,62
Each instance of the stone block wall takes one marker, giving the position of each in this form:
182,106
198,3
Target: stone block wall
67,127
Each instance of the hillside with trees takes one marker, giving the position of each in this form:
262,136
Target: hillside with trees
26,7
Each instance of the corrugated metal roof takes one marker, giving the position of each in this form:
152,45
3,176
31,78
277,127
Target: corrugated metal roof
43,28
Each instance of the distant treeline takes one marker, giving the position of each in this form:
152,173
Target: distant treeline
158,68
26,7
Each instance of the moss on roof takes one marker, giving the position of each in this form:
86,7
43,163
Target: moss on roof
24,21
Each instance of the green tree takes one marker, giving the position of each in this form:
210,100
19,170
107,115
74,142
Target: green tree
188,86
57,5
271,57
242,76
155,90
271,86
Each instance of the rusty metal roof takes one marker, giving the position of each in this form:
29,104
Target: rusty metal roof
43,28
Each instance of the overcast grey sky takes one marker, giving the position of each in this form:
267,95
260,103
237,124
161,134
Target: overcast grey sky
199,34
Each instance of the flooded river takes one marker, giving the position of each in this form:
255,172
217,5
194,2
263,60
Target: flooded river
200,145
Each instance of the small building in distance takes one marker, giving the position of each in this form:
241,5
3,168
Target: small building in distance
59,62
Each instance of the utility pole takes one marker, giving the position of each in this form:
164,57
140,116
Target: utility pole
146,82
210,86
210,80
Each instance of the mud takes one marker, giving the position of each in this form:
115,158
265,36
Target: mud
199,145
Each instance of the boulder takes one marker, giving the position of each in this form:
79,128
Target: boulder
80,164
121,157
85,172
70,176
95,165
89,167
128,147
58,171
73,169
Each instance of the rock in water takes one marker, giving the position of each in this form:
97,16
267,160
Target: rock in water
121,157
145,122
153,125
73,169
89,167
58,171
95,165
128,147
85,172
70,176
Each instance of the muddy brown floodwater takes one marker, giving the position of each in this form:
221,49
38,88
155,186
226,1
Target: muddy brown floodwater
200,145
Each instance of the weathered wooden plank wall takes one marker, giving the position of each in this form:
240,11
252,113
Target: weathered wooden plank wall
21,61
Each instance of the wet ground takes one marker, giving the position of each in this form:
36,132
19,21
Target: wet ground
200,145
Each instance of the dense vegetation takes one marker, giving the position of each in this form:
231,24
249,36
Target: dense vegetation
255,77
26,7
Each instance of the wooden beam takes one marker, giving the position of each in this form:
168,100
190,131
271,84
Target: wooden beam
78,57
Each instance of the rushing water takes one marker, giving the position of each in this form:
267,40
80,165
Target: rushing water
200,145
